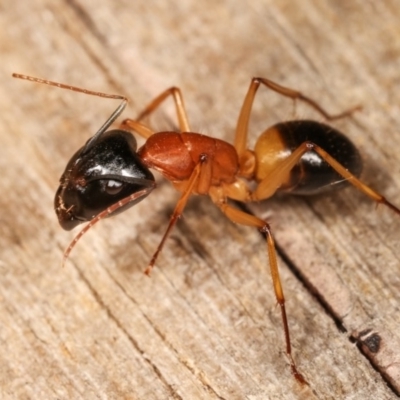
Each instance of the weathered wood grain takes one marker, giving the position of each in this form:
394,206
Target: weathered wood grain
205,326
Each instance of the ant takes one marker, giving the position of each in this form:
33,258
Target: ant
109,174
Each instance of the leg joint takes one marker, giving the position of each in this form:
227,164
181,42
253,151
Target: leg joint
309,145
265,228
203,157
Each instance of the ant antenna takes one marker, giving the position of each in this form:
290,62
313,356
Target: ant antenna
109,121
105,214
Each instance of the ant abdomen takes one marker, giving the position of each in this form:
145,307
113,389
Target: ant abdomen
312,174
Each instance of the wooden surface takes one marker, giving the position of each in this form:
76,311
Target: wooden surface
205,326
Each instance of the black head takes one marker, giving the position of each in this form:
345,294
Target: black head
101,173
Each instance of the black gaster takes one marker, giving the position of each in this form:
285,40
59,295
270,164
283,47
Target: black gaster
98,176
312,174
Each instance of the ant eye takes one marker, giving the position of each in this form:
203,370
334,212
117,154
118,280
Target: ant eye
113,187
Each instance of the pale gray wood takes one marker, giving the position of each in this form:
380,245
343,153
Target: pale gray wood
205,326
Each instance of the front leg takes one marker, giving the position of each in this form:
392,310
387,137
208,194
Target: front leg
144,131
135,126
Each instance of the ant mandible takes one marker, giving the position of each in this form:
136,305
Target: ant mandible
108,174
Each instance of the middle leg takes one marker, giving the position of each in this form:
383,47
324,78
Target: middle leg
243,218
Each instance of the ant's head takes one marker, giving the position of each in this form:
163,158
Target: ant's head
99,175
105,176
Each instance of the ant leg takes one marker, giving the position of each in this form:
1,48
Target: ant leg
244,116
200,177
132,125
243,218
296,95
179,105
268,186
